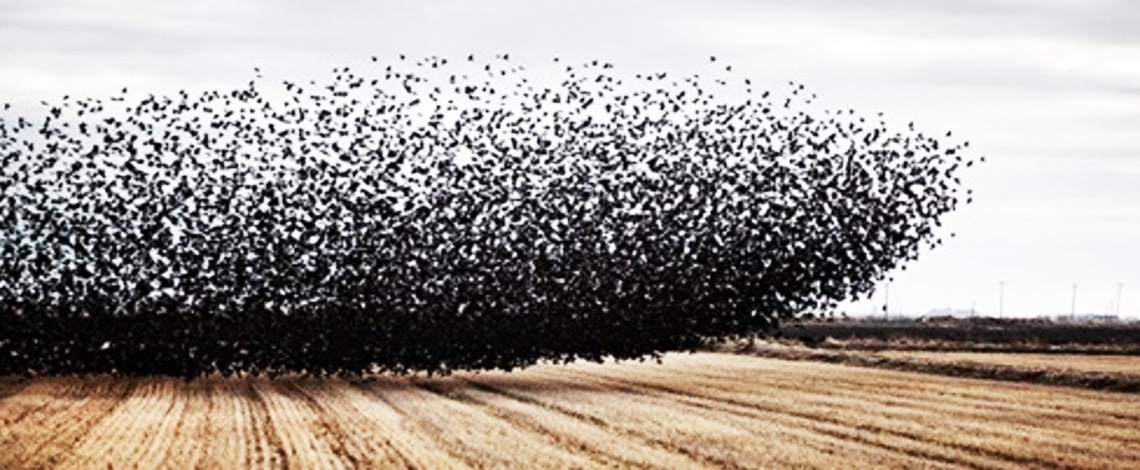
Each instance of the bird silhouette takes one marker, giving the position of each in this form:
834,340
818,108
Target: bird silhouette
404,218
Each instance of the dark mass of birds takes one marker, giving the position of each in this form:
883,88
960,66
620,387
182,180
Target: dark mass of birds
435,216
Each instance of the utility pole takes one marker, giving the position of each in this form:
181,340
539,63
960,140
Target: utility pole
1001,299
1073,309
1119,289
887,302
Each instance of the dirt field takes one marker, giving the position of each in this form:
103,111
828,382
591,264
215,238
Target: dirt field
972,334
704,410
1074,362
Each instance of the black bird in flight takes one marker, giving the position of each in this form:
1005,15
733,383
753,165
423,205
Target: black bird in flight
403,220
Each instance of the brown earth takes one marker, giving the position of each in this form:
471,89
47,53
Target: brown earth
1118,373
702,410
1109,364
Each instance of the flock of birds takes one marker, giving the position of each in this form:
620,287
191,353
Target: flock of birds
434,215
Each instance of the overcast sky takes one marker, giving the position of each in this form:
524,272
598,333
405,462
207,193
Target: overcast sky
1047,90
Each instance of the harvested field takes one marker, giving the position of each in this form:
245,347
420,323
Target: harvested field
702,410
971,335
1089,371
1118,364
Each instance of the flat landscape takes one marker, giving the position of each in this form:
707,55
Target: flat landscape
1116,364
701,410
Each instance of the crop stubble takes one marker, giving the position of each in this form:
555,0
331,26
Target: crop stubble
702,410
1118,364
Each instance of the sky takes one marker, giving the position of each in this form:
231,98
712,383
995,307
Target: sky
1047,90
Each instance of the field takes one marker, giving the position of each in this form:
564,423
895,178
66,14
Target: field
1114,364
970,334
702,410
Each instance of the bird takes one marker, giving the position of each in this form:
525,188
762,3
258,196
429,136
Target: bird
411,221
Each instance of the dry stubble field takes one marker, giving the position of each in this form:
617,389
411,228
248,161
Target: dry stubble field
702,410
1119,364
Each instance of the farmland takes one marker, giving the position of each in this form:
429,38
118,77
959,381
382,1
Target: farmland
701,410
1118,364
971,334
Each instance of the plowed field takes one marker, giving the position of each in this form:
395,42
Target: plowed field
702,410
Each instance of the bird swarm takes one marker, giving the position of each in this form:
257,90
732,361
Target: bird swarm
411,219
